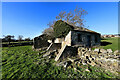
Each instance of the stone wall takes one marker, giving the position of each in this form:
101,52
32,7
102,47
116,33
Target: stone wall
40,42
55,46
100,57
68,52
84,42
68,39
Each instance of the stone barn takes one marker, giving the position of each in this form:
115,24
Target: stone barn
77,38
83,38
41,41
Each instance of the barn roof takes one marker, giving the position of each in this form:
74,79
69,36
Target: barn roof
86,30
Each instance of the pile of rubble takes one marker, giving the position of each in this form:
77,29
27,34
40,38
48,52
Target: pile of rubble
98,57
101,57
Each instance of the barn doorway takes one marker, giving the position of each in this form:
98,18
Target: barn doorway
89,41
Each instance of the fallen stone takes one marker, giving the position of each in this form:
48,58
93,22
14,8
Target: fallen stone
43,52
77,59
38,53
65,64
92,63
109,50
75,69
95,53
117,51
96,50
61,63
49,57
89,49
115,64
84,62
103,51
87,70
83,50
47,54
72,60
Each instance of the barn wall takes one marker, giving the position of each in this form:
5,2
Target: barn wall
68,39
40,42
74,39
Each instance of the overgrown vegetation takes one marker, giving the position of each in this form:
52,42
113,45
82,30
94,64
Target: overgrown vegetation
61,28
23,62
74,18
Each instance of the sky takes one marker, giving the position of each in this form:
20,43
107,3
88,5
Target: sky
31,18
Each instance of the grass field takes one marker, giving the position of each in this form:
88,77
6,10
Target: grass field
16,42
23,62
115,43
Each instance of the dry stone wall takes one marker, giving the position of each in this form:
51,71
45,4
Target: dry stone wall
100,57
84,42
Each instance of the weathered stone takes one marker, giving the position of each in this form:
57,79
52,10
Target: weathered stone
50,41
87,70
72,60
47,54
109,50
43,52
89,49
117,51
84,62
77,59
83,49
65,64
79,51
103,51
115,64
75,69
33,47
92,63
61,63
96,50
41,41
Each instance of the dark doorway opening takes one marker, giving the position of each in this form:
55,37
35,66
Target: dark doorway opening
89,41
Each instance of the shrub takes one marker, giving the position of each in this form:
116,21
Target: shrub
61,28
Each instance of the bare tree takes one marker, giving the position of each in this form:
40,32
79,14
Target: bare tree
51,24
49,31
61,15
20,37
68,16
78,17
75,18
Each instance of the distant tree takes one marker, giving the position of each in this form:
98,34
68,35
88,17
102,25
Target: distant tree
8,38
20,37
27,39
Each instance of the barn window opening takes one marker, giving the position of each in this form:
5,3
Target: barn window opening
96,39
79,38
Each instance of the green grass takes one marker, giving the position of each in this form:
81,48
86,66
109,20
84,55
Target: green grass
16,42
22,62
114,46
